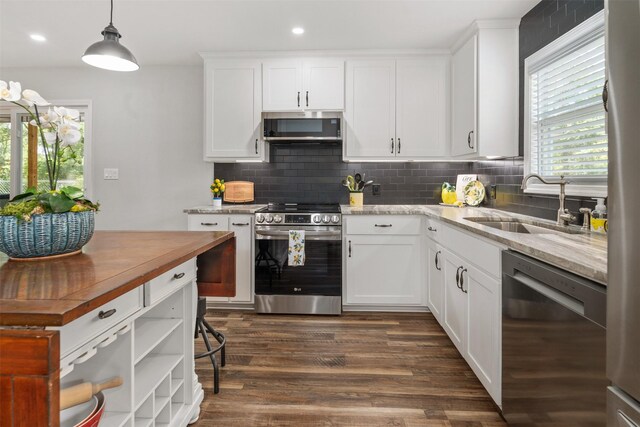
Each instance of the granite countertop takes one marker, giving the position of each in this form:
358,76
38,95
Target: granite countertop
225,209
584,254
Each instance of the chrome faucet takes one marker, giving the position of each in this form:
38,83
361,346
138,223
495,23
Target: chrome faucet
564,216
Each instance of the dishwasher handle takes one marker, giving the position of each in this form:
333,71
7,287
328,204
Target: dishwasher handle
561,298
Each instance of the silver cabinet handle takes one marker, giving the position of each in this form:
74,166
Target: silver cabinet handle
240,224
462,281
399,145
105,314
209,224
437,261
458,276
256,145
178,276
298,99
432,229
393,147
349,248
605,96
307,98
469,139
384,225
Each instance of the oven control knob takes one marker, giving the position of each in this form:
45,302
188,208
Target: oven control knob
335,219
277,219
260,218
269,218
317,219
326,219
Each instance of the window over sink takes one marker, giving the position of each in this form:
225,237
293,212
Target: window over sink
565,118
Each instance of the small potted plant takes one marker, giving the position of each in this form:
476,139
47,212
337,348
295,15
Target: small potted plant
217,188
54,222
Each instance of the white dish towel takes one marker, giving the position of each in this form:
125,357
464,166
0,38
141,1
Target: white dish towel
296,248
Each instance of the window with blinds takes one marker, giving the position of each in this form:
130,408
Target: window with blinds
566,113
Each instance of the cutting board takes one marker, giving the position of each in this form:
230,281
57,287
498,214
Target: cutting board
238,192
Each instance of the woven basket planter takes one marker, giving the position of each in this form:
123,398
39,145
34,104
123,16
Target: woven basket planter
46,234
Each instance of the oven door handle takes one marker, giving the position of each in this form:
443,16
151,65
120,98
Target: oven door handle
309,235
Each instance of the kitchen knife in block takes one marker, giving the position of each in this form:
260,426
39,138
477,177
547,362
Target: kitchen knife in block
83,392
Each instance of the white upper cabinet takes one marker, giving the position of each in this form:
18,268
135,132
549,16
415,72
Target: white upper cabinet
323,82
397,109
232,110
463,99
484,94
421,107
370,112
302,84
282,85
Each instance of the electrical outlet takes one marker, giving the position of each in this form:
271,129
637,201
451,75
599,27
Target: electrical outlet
376,189
110,173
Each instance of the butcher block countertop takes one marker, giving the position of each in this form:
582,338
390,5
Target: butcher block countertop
55,292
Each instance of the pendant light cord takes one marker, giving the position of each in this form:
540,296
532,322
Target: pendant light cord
111,16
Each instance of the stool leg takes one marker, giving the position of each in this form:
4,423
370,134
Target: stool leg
214,362
220,338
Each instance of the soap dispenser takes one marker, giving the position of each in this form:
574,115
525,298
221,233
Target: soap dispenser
599,217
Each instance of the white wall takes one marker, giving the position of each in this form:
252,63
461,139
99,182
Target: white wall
149,125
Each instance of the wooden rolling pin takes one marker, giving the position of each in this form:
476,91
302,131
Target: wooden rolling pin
81,393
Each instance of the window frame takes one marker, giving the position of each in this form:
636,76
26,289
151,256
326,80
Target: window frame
588,30
84,106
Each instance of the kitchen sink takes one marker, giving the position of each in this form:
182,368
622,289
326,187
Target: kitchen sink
515,225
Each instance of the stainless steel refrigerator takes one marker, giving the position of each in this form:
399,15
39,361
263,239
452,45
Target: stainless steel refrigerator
623,290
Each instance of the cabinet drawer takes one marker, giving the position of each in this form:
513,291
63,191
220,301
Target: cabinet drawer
168,282
208,222
474,249
89,326
384,224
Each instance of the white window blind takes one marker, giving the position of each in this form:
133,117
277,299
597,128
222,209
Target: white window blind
567,118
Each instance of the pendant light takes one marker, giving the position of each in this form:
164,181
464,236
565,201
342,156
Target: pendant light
109,53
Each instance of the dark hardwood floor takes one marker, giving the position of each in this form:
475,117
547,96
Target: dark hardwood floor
360,369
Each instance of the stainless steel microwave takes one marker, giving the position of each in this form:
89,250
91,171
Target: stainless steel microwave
315,126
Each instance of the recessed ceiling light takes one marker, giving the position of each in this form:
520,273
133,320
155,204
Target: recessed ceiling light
297,30
38,37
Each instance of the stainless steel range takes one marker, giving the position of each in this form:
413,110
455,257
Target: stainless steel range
316,286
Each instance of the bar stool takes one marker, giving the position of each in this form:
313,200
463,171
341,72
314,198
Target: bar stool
204,328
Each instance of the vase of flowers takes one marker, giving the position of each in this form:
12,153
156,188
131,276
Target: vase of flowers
56,222
217,189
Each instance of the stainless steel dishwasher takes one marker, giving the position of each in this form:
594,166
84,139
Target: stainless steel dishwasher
553,345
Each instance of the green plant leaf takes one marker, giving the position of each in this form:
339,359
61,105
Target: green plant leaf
26,196
57,202
72,192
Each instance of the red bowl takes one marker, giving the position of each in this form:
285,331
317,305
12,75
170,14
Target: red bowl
87,414
94,419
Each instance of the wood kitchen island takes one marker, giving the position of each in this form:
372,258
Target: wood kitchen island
124,307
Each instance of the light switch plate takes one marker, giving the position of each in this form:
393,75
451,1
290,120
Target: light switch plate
110,173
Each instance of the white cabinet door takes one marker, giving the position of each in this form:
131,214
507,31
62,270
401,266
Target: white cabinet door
208,222
232,110
370,112
241,225
463,99
421,107
282,85
383,270
323,84
435,280
484,329
455,302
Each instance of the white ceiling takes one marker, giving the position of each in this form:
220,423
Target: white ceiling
173,32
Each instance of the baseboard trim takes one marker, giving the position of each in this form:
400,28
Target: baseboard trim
387,308
213,305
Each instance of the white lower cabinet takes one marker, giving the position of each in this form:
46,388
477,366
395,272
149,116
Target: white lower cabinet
383,263
465,297
242,226
151,349
435,280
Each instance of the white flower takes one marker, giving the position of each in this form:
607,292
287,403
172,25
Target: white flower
47,118
67,113
68,134
12,93
32,97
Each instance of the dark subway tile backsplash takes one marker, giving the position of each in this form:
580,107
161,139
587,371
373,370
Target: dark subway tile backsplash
312,173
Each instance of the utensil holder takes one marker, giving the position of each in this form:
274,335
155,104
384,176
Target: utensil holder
356,199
